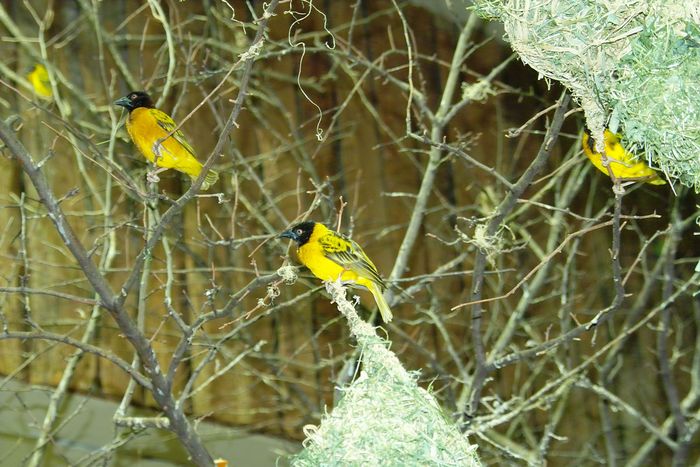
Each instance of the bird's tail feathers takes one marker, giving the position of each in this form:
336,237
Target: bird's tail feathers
210,179
383,306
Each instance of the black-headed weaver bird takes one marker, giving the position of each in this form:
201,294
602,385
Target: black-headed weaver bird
623,164
331,256
39,79
150,129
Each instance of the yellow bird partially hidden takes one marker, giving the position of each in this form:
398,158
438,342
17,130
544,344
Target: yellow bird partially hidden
331,256
150,130
39,79
623,164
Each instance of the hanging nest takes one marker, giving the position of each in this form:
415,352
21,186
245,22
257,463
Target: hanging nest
632,66
384,418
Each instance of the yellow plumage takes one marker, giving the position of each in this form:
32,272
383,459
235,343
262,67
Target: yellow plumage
623,164
150,129
39,79
331,256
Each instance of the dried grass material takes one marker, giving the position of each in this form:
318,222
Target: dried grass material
384,417
288,273
632,66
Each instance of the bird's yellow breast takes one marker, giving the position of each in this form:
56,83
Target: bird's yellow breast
155,144
312,256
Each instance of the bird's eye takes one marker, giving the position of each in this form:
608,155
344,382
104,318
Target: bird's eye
133,96
299,231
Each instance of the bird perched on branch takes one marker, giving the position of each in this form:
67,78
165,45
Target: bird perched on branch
622,163
331,256
39,79
152,131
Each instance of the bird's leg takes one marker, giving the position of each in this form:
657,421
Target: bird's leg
152,175
157,146
619,188
345,282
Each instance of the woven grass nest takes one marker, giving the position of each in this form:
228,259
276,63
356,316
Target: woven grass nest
632,66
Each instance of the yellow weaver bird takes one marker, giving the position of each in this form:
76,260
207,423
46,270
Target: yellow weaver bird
330,256
150,129
39,79
622,163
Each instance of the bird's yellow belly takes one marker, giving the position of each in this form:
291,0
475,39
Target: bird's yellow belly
162,153
313,258
159,148
623,169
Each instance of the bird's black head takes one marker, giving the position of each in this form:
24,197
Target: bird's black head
590,142
300,233
134,100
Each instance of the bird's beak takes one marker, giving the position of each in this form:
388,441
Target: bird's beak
123,102
289,234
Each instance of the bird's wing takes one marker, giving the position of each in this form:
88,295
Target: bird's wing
168,125
349,255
